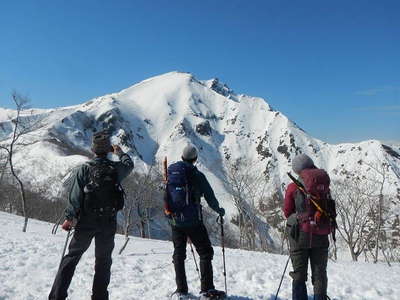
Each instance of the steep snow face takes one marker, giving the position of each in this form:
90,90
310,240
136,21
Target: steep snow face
158,116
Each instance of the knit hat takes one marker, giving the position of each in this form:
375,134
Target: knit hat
189,153
301,162
101,143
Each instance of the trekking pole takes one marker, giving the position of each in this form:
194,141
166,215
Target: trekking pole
220,220
194,258
283,275
66,244
287,262
56,224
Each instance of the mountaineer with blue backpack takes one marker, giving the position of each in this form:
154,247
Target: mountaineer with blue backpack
185,186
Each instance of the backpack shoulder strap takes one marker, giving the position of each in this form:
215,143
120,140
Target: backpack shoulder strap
298,183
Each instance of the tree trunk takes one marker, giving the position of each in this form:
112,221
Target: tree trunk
354,256
142,229
23,206
240,231
334,251
148,223
386,257
126,230
253,235
22,193
365,256
378,233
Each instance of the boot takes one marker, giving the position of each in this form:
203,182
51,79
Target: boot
212,295
180,296
103,297
321,297
299,290
99,298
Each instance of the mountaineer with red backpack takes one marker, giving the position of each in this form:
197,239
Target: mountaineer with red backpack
185,186
310,213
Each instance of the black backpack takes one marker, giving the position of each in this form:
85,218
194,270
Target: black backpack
103,191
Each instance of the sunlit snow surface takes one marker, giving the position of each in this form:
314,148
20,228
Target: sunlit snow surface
29,261
158,116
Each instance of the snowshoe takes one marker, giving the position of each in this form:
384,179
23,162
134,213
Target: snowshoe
179,296
182,296
213,295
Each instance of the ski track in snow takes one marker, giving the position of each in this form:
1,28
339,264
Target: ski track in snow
29,262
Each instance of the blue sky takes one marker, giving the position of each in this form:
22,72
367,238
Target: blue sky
333,67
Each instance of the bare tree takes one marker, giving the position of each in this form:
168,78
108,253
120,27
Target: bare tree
46,207
390,242
214,229
247,187
8,201
3,163
366,221
271,209
21,125
380,178
143,196
354,198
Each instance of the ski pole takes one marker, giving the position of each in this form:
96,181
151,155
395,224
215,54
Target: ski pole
220,220
194,258
283,275
285,237
66,244
56,224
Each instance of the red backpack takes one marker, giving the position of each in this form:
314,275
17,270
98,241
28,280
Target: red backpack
314,206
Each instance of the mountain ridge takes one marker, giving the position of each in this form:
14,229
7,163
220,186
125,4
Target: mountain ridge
157,117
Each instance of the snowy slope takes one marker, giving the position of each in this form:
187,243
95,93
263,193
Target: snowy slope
158,116
29,262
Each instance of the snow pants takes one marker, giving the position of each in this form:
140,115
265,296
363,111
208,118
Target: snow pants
199,237
102,229
318,258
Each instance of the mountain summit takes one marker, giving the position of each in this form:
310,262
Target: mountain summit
159,116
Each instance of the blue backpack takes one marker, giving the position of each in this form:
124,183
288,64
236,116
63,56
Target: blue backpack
179,193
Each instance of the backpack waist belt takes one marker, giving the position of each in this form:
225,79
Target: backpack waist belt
104,211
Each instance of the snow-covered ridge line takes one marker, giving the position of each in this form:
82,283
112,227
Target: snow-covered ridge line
158,116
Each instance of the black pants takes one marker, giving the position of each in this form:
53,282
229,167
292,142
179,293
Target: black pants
199,237
318,258
103,231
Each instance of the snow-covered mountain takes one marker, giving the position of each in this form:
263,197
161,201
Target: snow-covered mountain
158,116
29,262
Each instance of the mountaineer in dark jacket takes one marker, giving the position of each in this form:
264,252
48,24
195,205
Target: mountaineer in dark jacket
94,199
185,217
308,230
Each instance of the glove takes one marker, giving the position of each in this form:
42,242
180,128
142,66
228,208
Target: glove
221,212
67,225
117,150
